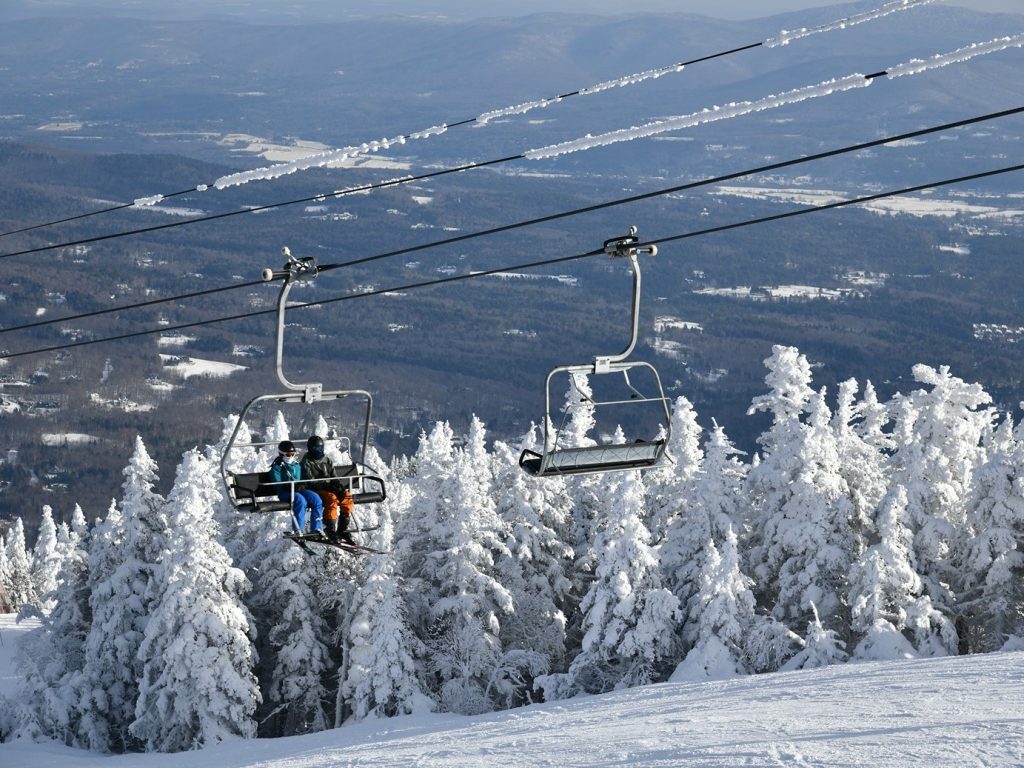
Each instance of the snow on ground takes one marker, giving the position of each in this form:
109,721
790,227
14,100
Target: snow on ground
960,711
904,204
174,340
53,439
187,367
773,292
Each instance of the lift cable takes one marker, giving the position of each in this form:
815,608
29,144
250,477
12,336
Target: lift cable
534,264
783,38
837,85
552,217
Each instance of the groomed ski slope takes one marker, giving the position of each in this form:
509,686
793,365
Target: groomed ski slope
963,711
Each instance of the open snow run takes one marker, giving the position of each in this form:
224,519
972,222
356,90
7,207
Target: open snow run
960,711
187,367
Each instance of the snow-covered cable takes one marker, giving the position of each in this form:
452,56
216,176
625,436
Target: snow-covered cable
330,159
786,36
737,109
713,114
916,66
338,157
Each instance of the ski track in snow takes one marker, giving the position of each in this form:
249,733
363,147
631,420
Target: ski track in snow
959,711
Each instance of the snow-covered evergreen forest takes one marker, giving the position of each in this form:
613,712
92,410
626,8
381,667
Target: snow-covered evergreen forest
860,530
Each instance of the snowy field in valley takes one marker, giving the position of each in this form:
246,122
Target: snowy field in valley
959,711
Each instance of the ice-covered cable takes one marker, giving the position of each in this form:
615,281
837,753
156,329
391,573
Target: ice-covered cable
330,159
334,158
713,114
916,66
737,109
337,157
786,36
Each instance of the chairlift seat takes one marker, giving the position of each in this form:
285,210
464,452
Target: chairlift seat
595,458
254,492
257,492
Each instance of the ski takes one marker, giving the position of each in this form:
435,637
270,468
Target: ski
305,539
297,538
355,549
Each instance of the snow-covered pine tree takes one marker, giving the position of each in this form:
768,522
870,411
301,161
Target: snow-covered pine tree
711,503
771,475
5,579
993,600
804,539
630,619
584,490
938,433
883,584
123,562
294,656
699,560
822,647
669,485
107,688
239,532
197,686
52,657
382,679
536,516
468,602
21,588
45,561
862,462
719,615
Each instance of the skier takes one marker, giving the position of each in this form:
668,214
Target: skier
336,498
285,469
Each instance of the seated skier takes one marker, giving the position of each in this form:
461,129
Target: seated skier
285,469
336,498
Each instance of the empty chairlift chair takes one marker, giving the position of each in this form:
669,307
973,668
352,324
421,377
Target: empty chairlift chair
557,460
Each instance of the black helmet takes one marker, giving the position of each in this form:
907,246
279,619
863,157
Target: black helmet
286,446
315,443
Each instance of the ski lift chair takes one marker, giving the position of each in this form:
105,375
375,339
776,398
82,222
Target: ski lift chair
254,491
556,460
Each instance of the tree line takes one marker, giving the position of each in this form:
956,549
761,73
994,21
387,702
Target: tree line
864,530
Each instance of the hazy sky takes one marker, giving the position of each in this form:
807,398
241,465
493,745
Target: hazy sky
751,8
728,9
311,9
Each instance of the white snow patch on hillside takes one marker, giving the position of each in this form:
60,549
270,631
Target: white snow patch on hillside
187,367
776,292
174,340
564,279
56,439
892,206
663,323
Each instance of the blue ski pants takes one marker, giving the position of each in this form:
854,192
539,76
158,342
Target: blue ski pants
306,500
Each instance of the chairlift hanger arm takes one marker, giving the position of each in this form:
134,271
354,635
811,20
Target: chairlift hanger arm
293,270
626,247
